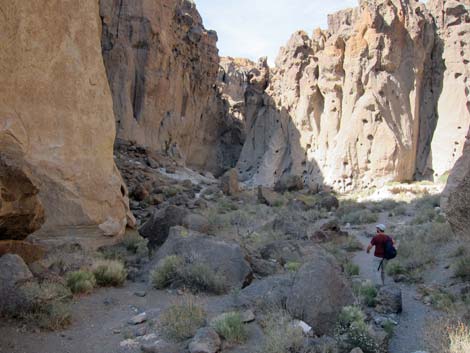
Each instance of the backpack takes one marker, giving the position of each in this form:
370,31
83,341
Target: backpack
390,250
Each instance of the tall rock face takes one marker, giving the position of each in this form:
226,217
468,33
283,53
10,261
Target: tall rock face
162,67
453,104
342,107
456,196
56,123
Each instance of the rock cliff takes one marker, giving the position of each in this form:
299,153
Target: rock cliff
162,66
56,123
379,96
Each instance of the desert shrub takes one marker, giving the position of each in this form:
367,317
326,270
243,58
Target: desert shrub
368,293
460,251
359,217
180,321
198,277
109,273
447,335
167,272
292,266
442,300
352,244
136,244
389,327
459,337
399,210
352,331
462,268
351,269
231,328
201,278
280,335
43,304
395,269
81,282
424,215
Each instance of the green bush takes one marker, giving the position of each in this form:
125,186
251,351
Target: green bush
280,335
395,269
175,271
231,327
109,273
352,331
81,282
353,245
351,269
462,268
368,293
167,272
136,244
43,304
181,321
292,266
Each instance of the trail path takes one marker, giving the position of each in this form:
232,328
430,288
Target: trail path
409,334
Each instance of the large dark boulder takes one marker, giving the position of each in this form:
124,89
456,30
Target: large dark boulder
319,292
157,228
389,300
289,183
226,259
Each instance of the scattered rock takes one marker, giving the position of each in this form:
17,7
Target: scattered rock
389,300
306,328
13,270
140,294
206,340
268,197
138,319
156,229
328,201
229,183
289,183
160,347
248,316
196,222
357,350
282,251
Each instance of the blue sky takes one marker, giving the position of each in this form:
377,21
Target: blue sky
255,28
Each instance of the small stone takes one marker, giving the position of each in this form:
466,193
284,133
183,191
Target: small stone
140,294
206,340
306,328
248,316
138,319
357,350
116,331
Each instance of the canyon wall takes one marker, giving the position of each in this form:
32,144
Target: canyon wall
380,96
57,172
162,66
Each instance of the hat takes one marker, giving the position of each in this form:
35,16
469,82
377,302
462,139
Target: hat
380,227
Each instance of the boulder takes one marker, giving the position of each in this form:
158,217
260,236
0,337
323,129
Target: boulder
206,340
197,222
226,259
328,201
13,270
271,291
328,231
318,293
229,183
289,183
157,228
268,197
27,251
283,251
357,350
389,300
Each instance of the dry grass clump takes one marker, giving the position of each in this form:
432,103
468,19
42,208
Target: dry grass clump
359,217
42,304
81,282
180,321
135,243
448,335
175,271
462,268
231,327
109,273
280,335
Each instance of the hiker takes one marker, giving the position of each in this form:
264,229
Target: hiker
384,249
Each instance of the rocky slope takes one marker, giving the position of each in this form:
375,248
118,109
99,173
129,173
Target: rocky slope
367,101
162,66
56,123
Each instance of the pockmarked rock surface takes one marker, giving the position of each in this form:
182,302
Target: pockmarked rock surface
379,96
56,123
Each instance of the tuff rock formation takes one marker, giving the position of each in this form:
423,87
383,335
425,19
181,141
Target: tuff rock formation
342,107
56,123
379,96
453,107
162,67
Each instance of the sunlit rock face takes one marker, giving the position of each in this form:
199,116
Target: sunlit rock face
453,104
162,66
342,107
380,96
56,123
